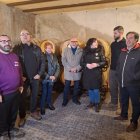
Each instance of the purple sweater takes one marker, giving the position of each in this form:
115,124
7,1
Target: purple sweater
10,73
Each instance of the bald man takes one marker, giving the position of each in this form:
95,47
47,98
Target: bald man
33,67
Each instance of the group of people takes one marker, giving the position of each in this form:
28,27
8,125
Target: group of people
125,76
26,66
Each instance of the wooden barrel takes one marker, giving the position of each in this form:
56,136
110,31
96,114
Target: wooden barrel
107,52
42,46
36,41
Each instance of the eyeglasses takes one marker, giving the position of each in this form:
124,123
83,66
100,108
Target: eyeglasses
5,41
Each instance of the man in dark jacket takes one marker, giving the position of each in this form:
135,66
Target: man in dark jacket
33,66
128,72
116,47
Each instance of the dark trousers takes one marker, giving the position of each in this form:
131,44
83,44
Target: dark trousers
67,89
134,94
114,88
34,86
8,111
46,94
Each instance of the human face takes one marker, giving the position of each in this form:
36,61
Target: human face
130,40
25,37
49,49
94,44
73,44
5,44
117,35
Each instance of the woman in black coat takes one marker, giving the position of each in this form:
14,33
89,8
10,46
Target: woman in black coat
92,61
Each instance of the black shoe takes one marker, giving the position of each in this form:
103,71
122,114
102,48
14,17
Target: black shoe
65,103
51,107
42,111
77,102
97,108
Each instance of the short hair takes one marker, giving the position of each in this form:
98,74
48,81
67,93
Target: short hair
136,35
48,44
5,35
119,28
25,30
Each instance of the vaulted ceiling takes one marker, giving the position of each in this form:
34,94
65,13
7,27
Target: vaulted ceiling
47,6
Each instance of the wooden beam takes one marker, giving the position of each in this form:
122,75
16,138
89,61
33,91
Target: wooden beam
29,2
73,5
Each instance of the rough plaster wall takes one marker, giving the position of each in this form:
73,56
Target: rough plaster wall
85,24
12,21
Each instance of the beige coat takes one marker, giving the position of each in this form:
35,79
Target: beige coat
69,61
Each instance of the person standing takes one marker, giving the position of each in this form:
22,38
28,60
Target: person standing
128,72
33,66
10,88
92,61
52,70
72,70
116,47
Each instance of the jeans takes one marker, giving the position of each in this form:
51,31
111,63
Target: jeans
8,111
94,96
47,88
134,94
67,89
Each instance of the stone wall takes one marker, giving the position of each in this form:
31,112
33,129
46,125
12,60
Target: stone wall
12,21
85,24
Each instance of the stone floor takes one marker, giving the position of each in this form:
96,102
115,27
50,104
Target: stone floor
77,123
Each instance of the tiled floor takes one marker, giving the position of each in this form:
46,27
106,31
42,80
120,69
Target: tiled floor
77,123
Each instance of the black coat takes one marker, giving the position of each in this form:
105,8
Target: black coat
18,49
128,67
92,78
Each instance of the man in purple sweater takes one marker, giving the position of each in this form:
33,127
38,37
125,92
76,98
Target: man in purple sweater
10,85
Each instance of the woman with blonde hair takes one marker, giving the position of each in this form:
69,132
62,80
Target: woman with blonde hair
52,70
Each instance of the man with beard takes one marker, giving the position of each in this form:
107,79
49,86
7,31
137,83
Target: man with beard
10,85
116,47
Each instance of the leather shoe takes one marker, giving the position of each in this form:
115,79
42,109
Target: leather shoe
42,111
64,103
51,107
131,127
120,118
77,102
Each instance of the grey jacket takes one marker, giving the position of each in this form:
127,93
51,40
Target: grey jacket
69,61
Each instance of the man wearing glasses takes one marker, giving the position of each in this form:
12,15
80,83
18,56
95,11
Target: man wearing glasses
10,88
33,66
